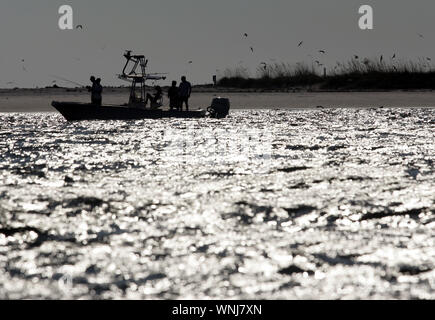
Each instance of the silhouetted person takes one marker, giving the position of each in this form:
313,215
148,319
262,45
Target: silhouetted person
184,92
96,91
92,79
174,100
156,97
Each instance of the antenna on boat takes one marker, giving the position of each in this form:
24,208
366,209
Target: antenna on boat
137,76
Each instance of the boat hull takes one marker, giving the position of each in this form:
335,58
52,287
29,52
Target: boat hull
72,111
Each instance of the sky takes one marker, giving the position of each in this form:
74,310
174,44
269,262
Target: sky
170,33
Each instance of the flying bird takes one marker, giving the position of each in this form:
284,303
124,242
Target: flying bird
356,57
322,51
252,49
190,62
23,66
300,43
428,59
420,35
246,35
394,56
79,27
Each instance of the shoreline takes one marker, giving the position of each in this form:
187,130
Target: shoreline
205,89
39,100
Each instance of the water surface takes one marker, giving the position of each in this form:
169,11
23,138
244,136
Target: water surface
317,204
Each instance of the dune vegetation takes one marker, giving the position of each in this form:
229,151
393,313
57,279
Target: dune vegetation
355,74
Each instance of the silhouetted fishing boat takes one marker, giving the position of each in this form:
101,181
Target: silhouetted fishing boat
136,107
83,111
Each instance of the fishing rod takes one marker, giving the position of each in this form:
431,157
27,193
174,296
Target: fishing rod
73,82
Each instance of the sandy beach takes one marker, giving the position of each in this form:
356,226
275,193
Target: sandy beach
39,100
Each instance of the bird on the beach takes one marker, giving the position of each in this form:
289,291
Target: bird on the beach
322,51
381,59
428,59
317,61
420,35
356,57
79,26
190,62
300,43
394,56
246,35
252,49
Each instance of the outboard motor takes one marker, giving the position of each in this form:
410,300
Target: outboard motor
220,108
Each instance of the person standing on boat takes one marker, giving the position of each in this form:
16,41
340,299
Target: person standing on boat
185,90
92,88
96,91
174,100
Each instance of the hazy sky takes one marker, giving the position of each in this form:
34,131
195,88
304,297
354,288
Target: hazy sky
210,33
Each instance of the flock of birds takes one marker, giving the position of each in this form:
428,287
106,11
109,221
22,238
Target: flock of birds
264,65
